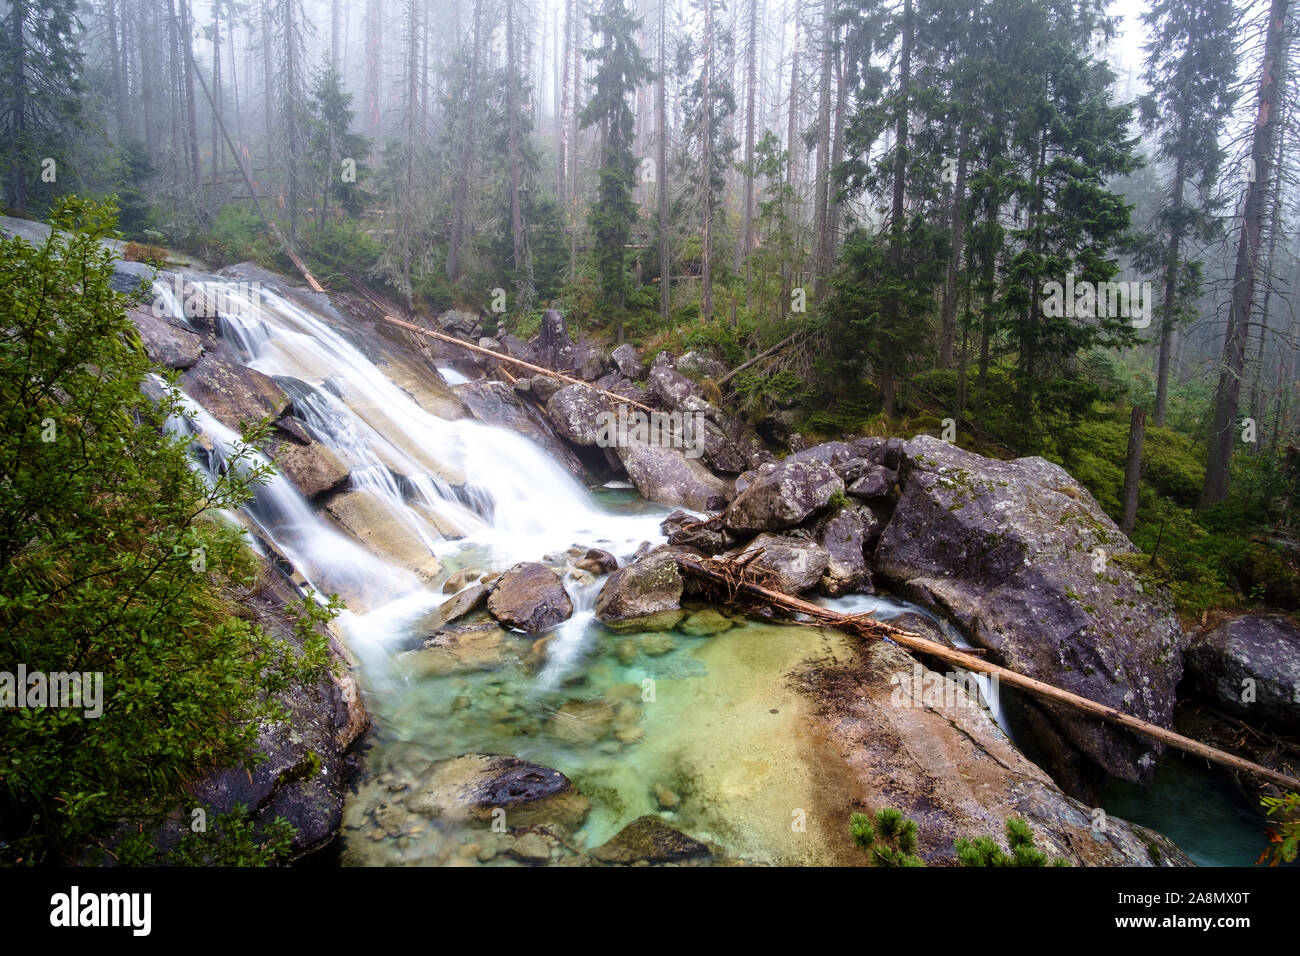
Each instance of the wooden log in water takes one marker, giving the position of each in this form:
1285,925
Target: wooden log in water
866,627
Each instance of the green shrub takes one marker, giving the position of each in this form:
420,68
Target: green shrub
1021,849
888,840
114,560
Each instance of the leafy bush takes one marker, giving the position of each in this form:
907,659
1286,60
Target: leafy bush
113,560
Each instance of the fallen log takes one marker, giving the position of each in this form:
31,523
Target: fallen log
539,369
758,358
729,580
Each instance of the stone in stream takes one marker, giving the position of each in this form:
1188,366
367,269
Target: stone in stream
651,840
472,786
705,623
788,564
530,597
1021,556
465,602
783,496
459,650
1250,667
644,596
597,561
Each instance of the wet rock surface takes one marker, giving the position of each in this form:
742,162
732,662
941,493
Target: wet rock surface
530,597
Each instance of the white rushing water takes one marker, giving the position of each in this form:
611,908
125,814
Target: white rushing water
464,490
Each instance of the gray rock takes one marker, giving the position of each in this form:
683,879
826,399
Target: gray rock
876,482
644,596
844,536
788,564
530,597
698,366
234,394
1008,549
1250,667
627,361
707,535
580,414
665,475
164,342
458,323
670,387
784,497
472,786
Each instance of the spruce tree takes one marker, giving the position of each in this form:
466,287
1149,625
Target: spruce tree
619,68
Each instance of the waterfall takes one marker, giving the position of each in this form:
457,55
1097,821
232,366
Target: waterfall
468,492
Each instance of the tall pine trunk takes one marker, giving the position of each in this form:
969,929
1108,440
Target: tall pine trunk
1223,430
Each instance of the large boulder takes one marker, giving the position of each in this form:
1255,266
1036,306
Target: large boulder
784,496
580,414
530,597
699,366
665,475
552,346
670,387
648,839
1017,552
788,564
844,536
459,323
1250,667
644,596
